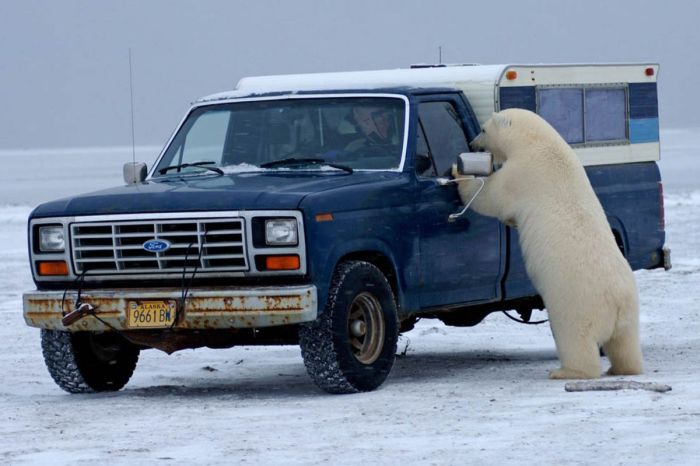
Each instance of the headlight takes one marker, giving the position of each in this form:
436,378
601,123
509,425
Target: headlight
281,232
51,239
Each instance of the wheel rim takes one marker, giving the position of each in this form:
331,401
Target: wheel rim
366,328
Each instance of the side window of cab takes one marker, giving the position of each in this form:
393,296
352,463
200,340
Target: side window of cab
440,137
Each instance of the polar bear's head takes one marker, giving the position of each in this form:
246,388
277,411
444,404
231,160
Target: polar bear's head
508,129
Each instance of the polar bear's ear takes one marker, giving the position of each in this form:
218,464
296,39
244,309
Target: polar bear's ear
501,120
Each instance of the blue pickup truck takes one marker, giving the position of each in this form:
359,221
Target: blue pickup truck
314,210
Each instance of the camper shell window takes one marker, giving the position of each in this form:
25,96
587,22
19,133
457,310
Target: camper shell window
606,114
563,109
586,115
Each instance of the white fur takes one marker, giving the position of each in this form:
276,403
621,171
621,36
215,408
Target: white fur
569,250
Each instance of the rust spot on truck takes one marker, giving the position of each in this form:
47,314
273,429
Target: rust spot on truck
203,308
107,306
293,303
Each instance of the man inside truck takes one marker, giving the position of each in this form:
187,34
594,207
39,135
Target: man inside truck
375,126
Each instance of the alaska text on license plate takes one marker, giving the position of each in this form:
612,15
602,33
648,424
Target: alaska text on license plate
150,314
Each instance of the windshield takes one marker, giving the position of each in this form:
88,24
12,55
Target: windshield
360,133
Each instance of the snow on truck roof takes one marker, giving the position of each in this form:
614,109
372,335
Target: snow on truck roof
444,76
413,77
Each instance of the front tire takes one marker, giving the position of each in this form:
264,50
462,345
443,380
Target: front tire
351,347
85,362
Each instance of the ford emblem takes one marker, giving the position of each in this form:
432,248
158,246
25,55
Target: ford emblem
156,245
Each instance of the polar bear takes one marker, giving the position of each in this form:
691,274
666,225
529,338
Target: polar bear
568,247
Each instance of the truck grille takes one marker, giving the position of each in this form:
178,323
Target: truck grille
213,245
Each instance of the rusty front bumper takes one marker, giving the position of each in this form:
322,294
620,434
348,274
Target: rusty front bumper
205,308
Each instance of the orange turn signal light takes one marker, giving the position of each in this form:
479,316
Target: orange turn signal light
327,217
511,75
282,262
52,268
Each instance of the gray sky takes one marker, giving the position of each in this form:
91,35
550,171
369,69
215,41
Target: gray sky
64,69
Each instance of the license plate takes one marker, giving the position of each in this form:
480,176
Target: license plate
150,314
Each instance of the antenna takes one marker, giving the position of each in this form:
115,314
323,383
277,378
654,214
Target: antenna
131,91
439,54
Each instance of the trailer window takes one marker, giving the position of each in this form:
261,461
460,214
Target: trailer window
605,115
585,115
563,109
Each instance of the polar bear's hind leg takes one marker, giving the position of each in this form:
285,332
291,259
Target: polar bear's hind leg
623,351
578,353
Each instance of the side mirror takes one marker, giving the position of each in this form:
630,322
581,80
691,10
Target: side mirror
134,172
472,166
475,163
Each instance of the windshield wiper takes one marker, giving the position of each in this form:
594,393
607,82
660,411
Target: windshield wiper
163,171
304,161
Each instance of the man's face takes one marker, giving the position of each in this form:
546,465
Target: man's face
373,120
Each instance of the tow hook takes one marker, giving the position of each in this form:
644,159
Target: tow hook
77,314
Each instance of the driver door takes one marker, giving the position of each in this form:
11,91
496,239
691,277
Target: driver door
461,261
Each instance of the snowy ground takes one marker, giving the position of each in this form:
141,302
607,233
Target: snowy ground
459,396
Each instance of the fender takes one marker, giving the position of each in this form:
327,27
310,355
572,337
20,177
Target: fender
359,248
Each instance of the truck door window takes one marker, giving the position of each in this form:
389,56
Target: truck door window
424,162
444,134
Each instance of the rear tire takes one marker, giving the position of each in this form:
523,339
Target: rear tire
85,362
351,347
